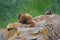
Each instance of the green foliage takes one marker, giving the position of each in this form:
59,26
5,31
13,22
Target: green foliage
9,9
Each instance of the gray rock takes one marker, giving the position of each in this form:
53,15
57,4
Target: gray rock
2,36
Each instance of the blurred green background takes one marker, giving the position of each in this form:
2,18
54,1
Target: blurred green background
9,9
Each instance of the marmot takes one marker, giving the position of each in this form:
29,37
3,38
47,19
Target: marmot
26,19
49,12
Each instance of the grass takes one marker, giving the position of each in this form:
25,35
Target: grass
34,8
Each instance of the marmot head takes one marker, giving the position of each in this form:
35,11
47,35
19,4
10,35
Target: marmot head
48,12
23,18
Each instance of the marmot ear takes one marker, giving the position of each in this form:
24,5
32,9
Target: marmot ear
19,16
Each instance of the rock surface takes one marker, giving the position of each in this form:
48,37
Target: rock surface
47,28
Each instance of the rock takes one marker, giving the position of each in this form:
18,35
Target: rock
47,28
2,36
50,22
